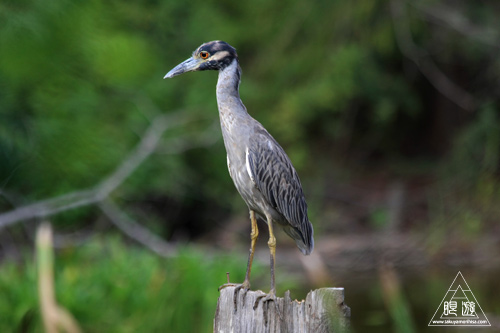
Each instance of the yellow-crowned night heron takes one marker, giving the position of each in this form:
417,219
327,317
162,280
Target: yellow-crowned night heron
259,167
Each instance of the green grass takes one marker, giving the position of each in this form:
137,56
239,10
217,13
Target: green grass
111,287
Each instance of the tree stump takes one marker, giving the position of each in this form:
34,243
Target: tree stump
323,311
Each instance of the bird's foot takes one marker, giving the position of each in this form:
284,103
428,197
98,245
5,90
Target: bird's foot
237,287
265,299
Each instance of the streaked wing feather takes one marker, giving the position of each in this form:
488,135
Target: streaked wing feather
276,178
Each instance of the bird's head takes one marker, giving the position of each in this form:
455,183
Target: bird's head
215,55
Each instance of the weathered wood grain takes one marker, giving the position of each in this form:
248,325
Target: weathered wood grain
322,311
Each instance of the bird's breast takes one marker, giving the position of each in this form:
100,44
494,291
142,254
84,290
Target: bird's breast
246,187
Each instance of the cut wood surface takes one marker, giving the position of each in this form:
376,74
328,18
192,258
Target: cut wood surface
322,311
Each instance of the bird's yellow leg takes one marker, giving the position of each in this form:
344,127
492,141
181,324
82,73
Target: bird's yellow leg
253,237
272,249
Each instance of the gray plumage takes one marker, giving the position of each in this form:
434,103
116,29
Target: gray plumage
258,165
278,182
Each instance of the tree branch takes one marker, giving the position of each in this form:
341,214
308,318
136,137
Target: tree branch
135,230
426,66
447,15
146,146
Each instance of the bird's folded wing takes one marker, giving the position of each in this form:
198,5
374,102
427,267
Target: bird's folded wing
275,177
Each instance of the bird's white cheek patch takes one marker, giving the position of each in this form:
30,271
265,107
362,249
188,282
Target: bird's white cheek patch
219,55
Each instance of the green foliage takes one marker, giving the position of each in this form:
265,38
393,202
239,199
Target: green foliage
67,109
66,116
111,287
379,219
470,181
80,81
476,152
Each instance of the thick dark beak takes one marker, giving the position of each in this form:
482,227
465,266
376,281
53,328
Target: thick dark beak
190,65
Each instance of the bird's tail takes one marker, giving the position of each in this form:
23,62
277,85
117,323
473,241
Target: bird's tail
303,238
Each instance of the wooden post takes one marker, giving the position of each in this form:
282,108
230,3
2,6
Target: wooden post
323,311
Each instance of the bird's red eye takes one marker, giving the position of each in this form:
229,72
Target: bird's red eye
204,54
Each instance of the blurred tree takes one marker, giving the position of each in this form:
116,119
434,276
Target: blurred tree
350,86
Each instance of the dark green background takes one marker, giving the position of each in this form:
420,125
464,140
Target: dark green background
357,92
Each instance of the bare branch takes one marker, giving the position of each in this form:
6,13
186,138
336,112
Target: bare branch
59,240
135,231
146,146
48,207
442,14
182,144
426,66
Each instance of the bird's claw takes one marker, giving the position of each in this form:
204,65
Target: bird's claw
237,287
267,298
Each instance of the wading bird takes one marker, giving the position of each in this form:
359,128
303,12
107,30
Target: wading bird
259,167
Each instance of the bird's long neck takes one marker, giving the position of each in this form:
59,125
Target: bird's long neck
228,97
